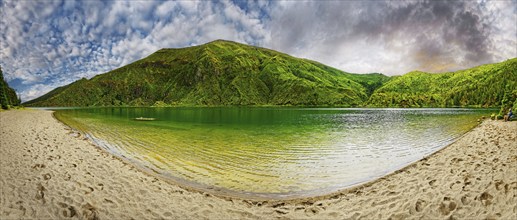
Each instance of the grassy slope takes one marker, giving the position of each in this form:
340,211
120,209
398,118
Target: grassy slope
217,73
483,86
228,73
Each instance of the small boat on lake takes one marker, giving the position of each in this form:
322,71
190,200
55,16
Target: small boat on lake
145,119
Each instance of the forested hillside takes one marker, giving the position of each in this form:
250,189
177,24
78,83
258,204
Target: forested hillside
8,96
484,86
218,73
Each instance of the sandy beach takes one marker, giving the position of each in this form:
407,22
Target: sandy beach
48,171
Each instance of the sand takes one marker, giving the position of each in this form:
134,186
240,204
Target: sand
50,171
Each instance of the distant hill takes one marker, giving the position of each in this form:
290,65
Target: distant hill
8,96
490,85
218,73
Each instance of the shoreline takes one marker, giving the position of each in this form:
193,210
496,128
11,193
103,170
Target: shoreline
40,187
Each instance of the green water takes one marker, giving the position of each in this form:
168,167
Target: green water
272,152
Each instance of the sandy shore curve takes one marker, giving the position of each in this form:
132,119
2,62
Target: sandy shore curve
49,171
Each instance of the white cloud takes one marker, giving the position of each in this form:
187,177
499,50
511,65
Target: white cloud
189,6
35,91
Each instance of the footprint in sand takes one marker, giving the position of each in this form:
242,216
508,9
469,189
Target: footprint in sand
110,203
67,177
40,195
281,212
447,206
485,198
456,160
67,210
420,205
477,167
38,166
312,211
88,190
89,212
498,184
167,214
465,200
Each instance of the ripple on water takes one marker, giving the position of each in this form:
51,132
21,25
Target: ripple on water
272,151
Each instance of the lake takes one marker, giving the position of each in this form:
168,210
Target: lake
275,152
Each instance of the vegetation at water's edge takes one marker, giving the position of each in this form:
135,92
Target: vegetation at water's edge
8,97
228,73
490,85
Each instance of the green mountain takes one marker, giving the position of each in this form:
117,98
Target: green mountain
218,73
229,73
488,85
8,96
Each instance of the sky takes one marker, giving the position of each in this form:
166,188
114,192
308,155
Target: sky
47,44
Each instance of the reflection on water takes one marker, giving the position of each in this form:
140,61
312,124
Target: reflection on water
272,152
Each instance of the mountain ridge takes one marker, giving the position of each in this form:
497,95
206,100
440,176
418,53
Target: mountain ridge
227,73
216,73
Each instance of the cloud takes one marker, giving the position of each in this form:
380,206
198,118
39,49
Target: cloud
36,90
426,35
45,44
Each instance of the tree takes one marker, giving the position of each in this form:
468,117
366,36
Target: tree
8,96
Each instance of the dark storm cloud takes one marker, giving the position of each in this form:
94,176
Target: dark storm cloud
439,25
436,35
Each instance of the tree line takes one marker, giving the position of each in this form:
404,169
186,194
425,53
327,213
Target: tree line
8,97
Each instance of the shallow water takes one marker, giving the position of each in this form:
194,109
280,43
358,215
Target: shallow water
272,152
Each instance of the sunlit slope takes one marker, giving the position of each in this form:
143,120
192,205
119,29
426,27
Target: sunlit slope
228,73
217,73
490,85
